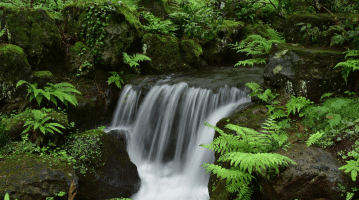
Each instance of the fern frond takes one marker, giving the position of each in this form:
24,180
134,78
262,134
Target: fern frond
297,103
249,161
251,62
140,57
314,138
353,167
325,95
278,113
276,36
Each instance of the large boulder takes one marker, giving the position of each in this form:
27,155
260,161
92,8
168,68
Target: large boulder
13,67
322,21
124,30
164,52
307,72
81,60
27,176
191,52
103,165
35,31
218,50
315,177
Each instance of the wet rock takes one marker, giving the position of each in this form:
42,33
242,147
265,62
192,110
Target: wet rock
307,72
315,176
81,60
191,52
29,177
110,172
35,31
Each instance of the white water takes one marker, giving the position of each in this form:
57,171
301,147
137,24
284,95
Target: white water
165,134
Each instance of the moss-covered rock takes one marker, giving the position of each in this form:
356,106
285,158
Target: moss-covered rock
218,50
307,72
13,67
27,176
323,21
35,31
81,60
164,52
41,78
124,30
103,165
191,52
159,8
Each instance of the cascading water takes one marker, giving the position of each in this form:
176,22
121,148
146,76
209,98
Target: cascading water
165,134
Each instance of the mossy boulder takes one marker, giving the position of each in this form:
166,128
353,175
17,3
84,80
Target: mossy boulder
81,60
123,31
35,31
164,52
15,124
218,50
13,67
103,165
191,52
323,21
159,8
307,72
41,78
27,176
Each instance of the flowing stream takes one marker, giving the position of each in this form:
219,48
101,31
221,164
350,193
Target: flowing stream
164,135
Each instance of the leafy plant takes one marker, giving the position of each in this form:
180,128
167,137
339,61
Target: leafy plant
115,78
197,20
352,166
39,122
310,33
345,33
266,96
325,95
133,60
350,64
257,46
244,151
63,91
155,24
314,138
297,103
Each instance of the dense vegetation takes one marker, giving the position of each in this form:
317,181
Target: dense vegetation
330,120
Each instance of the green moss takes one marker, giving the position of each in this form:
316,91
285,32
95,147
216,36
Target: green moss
43,74
5,49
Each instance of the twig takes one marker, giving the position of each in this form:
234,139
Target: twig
71,190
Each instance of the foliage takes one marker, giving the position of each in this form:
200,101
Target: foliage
197,20
244,151
40,122
115,78
97,18
63,91
345,34
266,96
133,60
352,166
155,25
325,95
350,64
297,103
314,138
257,46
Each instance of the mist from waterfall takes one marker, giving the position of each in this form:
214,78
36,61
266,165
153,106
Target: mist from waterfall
165,133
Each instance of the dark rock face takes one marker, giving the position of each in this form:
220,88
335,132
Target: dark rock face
159,8
315,176
35,31
113,175
13,67
32,179
305,72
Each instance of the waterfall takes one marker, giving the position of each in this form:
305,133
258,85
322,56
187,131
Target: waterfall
165,134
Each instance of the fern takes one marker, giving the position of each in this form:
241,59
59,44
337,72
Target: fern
244,152
257,46
350,64
314,138
352,166
133,60
63,91
115,78
267,96
40,122
297,103
274,131
325,95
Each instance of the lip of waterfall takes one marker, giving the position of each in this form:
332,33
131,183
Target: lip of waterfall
166,132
